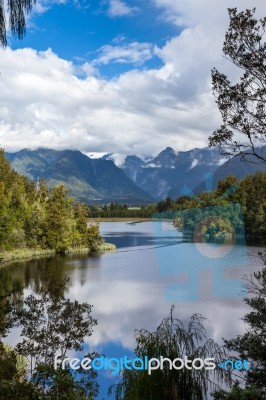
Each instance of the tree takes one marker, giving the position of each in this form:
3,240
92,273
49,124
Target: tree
59,220
165,205
17,11
33,218
52,325
93,238
238,393
13,383
242,105
172,340
251,345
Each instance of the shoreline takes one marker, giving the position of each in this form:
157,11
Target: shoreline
8,257
119,219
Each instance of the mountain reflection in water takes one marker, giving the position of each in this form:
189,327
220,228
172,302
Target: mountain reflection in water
128,287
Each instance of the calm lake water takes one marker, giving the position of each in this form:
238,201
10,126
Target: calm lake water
135,286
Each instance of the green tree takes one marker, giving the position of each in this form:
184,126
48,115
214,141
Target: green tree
165,205
93,237
238,393
53,325
242,105
81,227
251,345
50,325
172,340
59,220
31,217
13,383
250,193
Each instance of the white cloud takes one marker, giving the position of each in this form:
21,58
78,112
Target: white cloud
119,8
133,53
118,159
43,103
194,163
43,6
222,161
205,12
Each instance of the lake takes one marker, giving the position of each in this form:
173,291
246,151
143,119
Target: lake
134,287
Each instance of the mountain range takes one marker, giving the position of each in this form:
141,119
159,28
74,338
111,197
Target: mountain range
168,173
136,180
88,180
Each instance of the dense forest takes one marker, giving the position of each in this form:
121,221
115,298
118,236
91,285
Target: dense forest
116,210
237,205
31,217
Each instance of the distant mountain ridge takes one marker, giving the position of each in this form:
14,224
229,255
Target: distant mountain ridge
88,180
136,181
173,173
167,173
235,166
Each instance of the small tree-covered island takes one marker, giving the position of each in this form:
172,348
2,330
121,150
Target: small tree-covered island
36,222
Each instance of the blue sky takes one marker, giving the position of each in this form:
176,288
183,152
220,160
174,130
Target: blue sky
120,76
79,31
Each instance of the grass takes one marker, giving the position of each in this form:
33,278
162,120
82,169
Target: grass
85,250
24,254
120,219
107,247
7,257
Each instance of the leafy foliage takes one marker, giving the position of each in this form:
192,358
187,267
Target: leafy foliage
115,210
219,210
50,325
172,340
242,105
252,344
31,217
238,393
